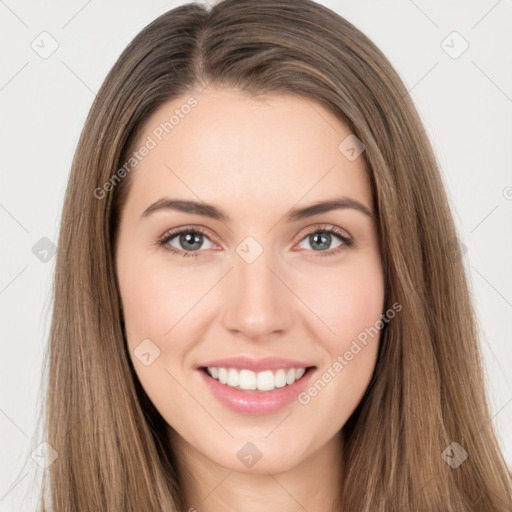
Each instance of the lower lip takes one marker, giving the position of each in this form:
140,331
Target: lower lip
256,402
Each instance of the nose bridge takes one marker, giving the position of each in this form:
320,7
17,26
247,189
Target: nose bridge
259,302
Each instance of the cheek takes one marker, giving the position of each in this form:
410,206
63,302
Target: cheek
153,304
352,309
348,300
143,303
160,304
154,296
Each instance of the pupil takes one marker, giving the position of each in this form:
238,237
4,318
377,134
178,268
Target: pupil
191,238
324,238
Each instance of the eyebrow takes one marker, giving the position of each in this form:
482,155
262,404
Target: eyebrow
295,214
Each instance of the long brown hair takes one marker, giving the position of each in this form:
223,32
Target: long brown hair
428,389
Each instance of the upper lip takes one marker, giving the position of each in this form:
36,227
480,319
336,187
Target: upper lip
265,363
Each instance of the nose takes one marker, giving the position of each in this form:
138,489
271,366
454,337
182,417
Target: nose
258,302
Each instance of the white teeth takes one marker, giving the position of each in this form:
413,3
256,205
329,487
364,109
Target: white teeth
232,378
247,379
299,373
263,381
280,379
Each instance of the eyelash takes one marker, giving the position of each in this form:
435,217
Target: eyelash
163,242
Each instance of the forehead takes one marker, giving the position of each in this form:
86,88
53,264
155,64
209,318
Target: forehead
224,146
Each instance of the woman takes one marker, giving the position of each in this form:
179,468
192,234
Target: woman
255,370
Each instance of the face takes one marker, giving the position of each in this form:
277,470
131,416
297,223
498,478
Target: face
246,284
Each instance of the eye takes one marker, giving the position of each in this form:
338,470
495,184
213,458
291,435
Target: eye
188,238
321,236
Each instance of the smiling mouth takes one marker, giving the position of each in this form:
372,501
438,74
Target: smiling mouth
262,381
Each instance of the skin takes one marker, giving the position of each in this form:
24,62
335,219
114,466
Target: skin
255,159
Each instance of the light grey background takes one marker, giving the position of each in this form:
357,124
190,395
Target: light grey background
465,101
